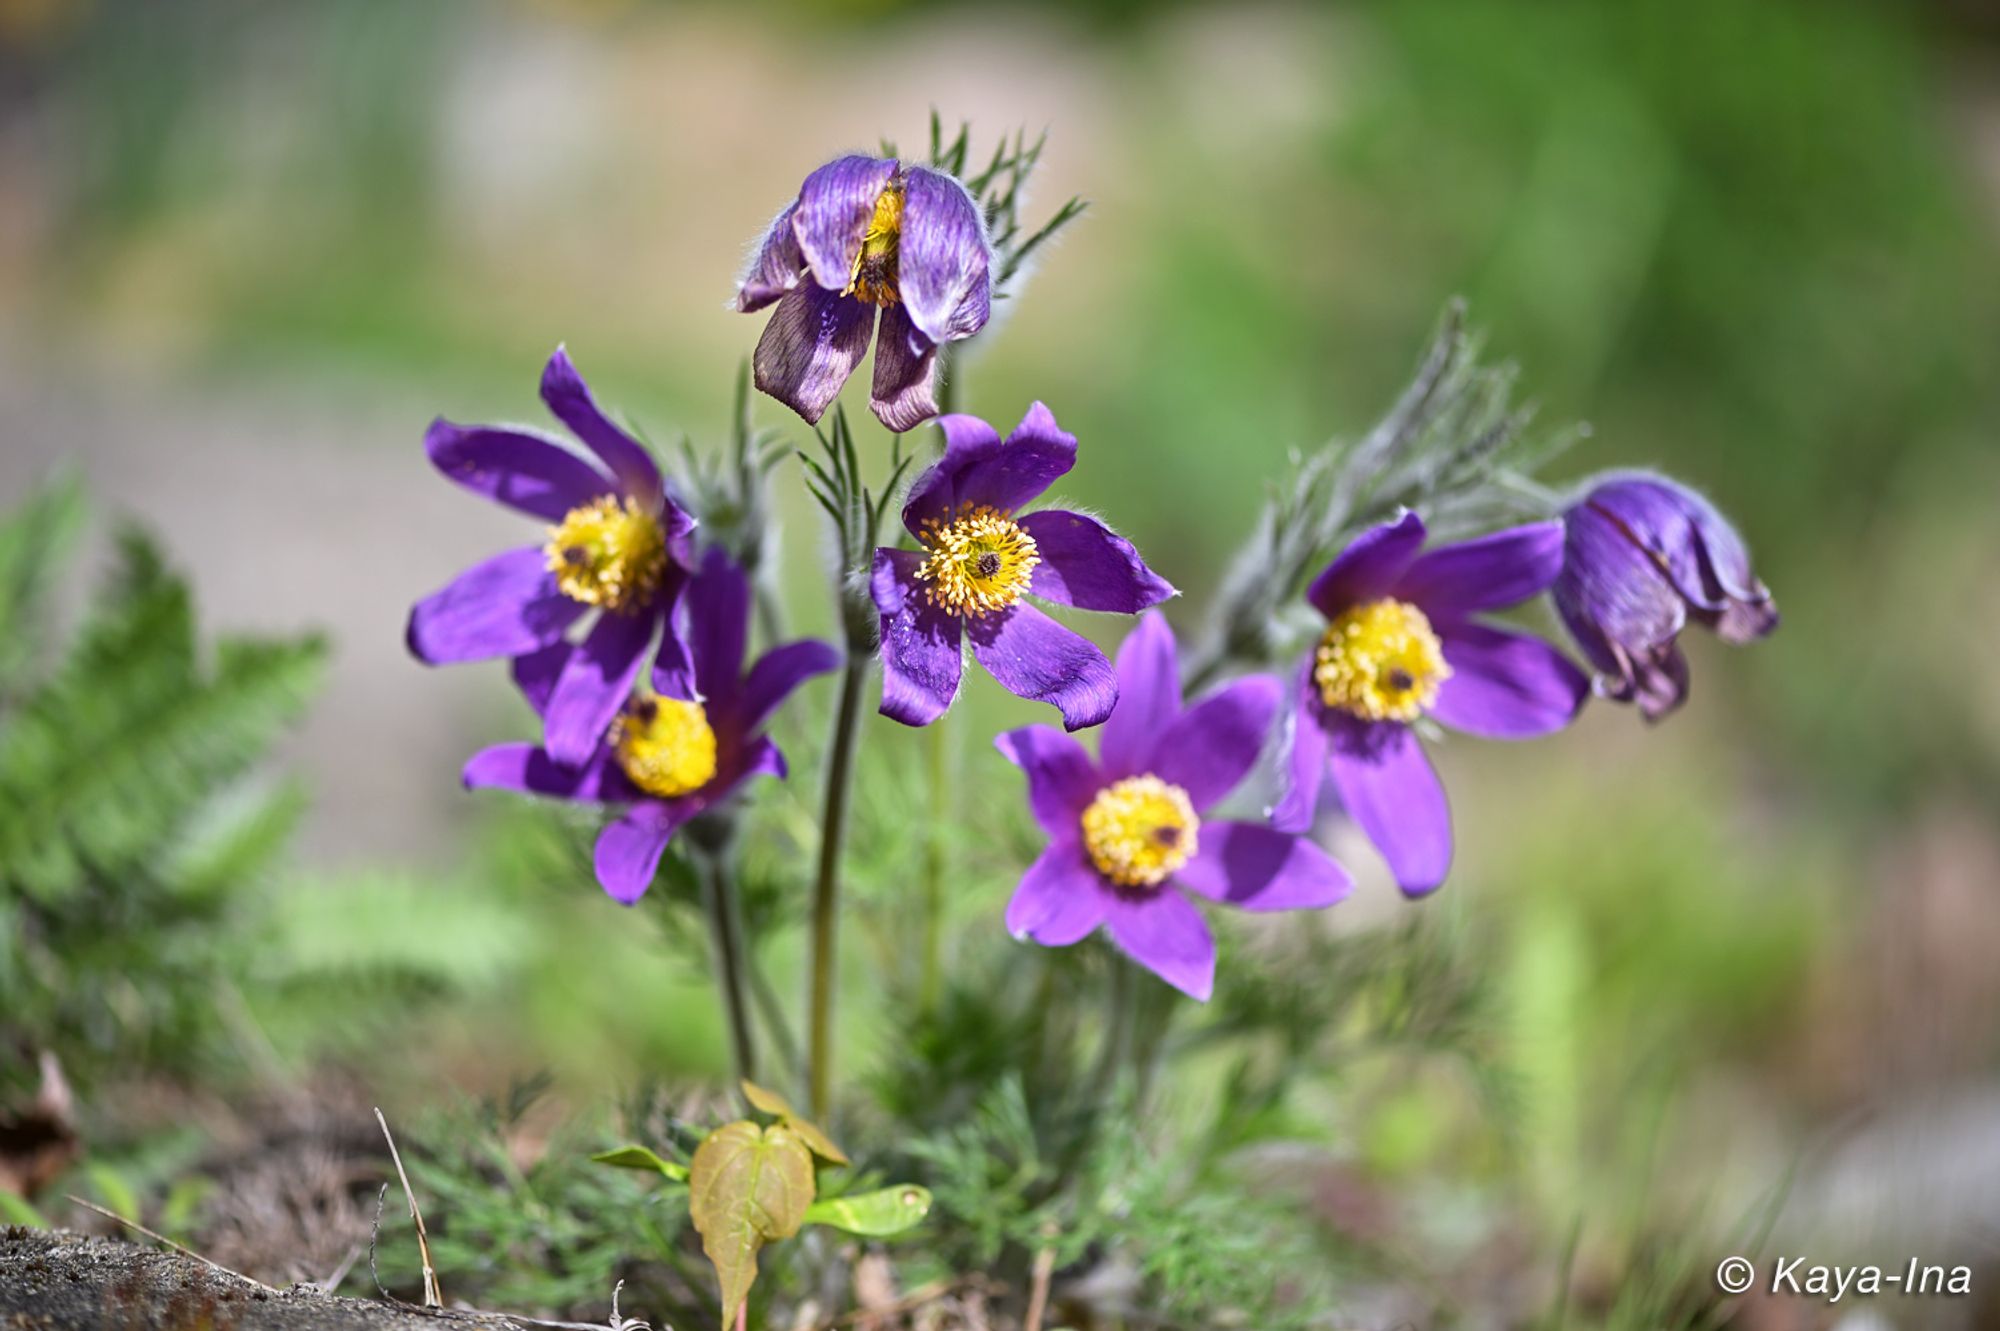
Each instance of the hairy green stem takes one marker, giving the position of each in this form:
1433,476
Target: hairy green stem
937,863
826,885
725,925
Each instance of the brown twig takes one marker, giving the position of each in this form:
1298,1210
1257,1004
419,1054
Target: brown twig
162,1238
433,1296
1038,1292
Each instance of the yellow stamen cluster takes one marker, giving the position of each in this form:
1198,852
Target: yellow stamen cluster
608,552
1140,831
665,745
874,275
1381,662
978,563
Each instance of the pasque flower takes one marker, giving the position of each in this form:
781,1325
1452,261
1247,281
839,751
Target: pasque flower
1643,555
1128,843
617,547
868,234
1402,644
979,557
672,752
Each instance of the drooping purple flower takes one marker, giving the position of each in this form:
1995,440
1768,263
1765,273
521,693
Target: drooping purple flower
1642,555
1127,840
618,545
1402,642
671,753
977,561
868,234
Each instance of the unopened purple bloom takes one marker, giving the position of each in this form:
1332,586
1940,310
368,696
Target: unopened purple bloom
1643,555
1402,643
1127,840
675,752
868,234
618,545
978,559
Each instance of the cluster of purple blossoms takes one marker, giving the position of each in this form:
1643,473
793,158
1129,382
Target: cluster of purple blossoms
876,249
674,751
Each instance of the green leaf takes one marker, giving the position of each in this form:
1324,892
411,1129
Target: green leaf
777,1106
876,1214
748,1186
17,1210
639,1157
118,1195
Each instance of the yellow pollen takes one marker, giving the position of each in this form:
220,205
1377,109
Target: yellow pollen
1381,662
1140,831
874,275
608,552
977,564
665,745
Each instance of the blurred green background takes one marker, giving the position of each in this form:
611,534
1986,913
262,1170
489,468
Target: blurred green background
248,250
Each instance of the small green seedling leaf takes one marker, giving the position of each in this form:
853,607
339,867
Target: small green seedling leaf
748,1185
766,1101
18,1210
639,1157
876,1214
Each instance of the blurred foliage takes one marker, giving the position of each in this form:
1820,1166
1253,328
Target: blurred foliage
129,840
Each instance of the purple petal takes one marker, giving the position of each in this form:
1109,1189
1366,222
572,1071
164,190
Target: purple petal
569,398
536,674
921,658
1506,685
1061,777
760,757
528,768
718,624
943,259
778,672
1259,868
506,606
1213,745
835,205
628,850
595,684
1305,746
1504,568
934,494
1623,612
1087,565
673,663
979,469
1369,567
1060,899
1389,789
813,342
774,266
1149,697
1164,932
523,471
904,395
1034,657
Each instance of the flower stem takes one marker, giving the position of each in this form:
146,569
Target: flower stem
715,864
937,863
826,886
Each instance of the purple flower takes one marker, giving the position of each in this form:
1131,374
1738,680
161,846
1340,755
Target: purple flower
1127,841
675,752
1641,556
868,233
978,560
1401,643
618,545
